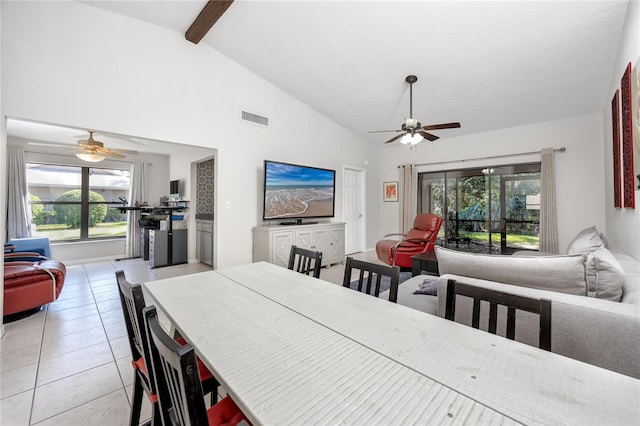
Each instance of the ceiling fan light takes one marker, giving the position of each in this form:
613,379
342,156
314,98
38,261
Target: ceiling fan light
406,139
91,158
416,139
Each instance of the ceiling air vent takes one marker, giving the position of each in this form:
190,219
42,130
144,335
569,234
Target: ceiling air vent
254,118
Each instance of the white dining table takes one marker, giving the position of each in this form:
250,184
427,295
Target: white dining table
295,350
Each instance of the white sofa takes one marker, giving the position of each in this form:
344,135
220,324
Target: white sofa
600,326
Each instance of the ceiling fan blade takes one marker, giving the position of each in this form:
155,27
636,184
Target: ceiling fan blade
429,136
385,131
123,151
55,145
441,126
90,144
109,153
395,137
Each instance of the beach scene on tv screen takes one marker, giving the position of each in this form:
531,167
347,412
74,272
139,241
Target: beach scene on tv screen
297,191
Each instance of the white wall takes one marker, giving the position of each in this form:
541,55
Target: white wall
623,225
579,184
76,65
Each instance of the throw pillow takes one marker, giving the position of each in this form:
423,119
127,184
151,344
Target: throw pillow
586,241
605,276
429,287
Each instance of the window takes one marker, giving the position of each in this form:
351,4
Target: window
490,210
77,203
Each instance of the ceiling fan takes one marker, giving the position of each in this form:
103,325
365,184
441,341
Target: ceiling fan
93,151
413,132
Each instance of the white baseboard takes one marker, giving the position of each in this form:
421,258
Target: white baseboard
93,259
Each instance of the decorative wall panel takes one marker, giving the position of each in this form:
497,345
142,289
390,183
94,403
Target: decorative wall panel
627,140
615,125
205,194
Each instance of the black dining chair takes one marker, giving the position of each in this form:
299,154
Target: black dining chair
305,261
370,277
513,302
174,367
132,300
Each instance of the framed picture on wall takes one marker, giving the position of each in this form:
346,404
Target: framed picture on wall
390,191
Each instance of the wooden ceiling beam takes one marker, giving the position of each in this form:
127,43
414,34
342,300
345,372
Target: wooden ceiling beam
209,15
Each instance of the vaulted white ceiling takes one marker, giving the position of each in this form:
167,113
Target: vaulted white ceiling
486,64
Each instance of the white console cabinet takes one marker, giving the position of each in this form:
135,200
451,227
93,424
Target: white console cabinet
273,243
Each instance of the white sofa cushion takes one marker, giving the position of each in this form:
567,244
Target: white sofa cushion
562,273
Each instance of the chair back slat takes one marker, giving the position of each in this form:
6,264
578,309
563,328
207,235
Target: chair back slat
476,313
511,323
545,324
369,276
493,317
370,271
137,337
177,410
305,261
176,372
132,300
361,280
513,302
378,280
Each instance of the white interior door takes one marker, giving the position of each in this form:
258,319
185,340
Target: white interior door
353,210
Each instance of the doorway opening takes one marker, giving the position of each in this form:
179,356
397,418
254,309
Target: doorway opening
203,173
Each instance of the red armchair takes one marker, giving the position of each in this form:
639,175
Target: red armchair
420,239
29,284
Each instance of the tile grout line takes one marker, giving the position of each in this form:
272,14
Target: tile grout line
123,388
40,359
35,381
73,408
113,355
44,326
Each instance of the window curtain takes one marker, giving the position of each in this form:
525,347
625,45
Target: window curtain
408,196
548,216
137,193
18,210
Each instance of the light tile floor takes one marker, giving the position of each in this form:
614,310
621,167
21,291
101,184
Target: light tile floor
69,364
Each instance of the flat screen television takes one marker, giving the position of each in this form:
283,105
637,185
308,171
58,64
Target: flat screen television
293,192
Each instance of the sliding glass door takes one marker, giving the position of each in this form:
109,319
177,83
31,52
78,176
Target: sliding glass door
490,210
520,200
